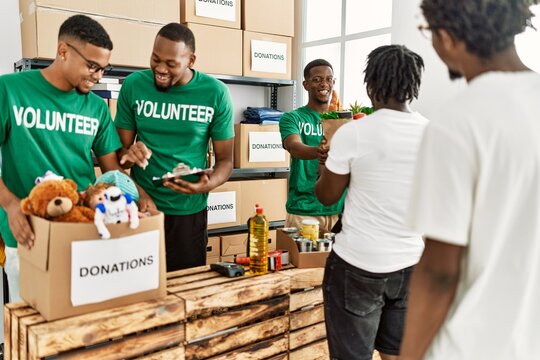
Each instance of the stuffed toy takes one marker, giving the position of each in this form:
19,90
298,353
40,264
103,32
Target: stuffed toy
120,180
116,208
56,200
94,194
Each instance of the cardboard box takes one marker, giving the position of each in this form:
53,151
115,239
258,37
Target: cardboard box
265,145
132,40
270,194
298,259
112,107
271,57
272,239
218,49
224,204
230,258
158,11
212,259
47,275
268,16
226,13
234,244
213,247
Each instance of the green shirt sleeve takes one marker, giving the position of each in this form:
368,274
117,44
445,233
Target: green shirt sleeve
4,112
222,126
288,125
125,116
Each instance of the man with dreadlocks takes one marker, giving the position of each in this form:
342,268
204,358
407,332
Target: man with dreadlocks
367,274
476,196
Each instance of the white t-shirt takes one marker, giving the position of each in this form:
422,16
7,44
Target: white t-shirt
478,185
379,153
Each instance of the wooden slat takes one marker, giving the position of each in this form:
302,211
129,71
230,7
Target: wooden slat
190,271
24,324
67,334
268,308
16,315
260,350
315,351
132,345
8,309
306,298
283,356
307,335
176,353
305,318
236,293
305,278
240,337
192,278
219,279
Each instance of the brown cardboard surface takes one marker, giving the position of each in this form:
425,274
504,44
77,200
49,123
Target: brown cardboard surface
158,11
268,16
187,15
234,244
212,259
248,36
112,107
241,146
270,194
298,259
213,247
45,270
218,49
272,239
230,186
132,40
230,258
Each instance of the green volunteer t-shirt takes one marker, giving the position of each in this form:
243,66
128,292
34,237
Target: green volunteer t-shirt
176,126
43,128
301,199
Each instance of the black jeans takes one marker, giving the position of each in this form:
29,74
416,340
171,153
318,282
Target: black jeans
186,237
363,310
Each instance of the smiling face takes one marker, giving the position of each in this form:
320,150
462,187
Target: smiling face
319,85
81,59
171,62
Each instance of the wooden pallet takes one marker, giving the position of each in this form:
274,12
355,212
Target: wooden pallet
307,338
233,318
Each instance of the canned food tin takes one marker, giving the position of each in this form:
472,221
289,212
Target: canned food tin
289,230
304,245
310,229
324,245
330,236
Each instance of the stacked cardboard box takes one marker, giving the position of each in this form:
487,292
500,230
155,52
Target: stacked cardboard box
131,24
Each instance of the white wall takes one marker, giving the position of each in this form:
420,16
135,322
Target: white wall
10,35
436,88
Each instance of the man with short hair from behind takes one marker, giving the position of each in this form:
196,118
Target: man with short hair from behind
173,111
301,134
49,120
476,197
367,273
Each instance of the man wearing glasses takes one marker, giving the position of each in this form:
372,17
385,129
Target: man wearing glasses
49,120
301,133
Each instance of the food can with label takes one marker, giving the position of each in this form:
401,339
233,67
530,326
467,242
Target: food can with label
310,229
324,245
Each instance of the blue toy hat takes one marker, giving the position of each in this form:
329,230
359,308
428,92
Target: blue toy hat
120,180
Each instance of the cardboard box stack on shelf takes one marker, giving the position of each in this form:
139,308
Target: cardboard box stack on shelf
131,24
257,146
218,38
213,249
268,30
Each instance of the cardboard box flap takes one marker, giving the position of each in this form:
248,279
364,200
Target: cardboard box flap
39,254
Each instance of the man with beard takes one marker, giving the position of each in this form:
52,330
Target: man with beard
476,197
302,133
174,110
49,120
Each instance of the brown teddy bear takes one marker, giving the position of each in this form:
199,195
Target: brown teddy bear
56,200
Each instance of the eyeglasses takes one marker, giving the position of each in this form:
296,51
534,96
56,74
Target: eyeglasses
93,67
318,79
426,31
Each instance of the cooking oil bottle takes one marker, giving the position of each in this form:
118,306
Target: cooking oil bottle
258,243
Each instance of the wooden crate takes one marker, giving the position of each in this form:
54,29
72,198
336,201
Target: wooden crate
307,338
233,318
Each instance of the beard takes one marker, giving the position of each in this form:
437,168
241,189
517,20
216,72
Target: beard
161,88
454,75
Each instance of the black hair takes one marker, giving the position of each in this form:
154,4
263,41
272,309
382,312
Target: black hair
485,26
83,28
179,33
314,63
393,71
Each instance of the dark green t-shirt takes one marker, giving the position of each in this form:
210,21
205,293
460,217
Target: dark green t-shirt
301,199
176,126
43,128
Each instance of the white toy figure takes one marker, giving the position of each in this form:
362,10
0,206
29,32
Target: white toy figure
116,208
